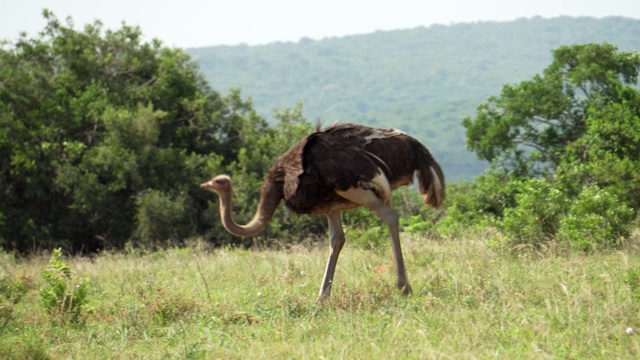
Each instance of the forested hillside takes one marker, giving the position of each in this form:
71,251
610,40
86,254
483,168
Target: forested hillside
424,80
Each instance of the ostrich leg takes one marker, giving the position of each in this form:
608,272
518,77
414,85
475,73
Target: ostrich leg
390,217
369,199
337,241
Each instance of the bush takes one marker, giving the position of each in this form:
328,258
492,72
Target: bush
375,238
473,206
161,217
11,292
596,220
536,217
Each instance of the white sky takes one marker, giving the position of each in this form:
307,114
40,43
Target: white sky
194,23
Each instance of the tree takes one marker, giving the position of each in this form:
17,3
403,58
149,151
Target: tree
104,138
578,125
528,128
607,155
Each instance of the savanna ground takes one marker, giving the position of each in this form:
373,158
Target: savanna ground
196,302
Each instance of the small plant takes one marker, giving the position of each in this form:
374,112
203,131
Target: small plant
11,292
61,296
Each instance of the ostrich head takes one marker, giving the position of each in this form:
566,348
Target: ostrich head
269,199
220,184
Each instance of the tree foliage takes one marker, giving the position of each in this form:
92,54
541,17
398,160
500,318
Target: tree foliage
608,154
564,145
529,127
104,139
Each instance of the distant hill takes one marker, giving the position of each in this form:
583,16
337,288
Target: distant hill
423,80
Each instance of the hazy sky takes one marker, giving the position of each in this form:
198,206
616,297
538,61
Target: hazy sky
192,23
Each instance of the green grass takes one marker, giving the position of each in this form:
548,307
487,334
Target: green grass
468,302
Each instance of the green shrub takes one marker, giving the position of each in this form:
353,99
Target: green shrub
12,290
457,222
161,217
373,238
536,216
61,296
596,220
416,224
473,206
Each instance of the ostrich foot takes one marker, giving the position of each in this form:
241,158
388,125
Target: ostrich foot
406,289
324,295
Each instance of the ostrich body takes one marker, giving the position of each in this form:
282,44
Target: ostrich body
337,169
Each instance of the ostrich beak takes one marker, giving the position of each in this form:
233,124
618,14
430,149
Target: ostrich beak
207,185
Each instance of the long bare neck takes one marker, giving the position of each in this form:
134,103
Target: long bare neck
270,197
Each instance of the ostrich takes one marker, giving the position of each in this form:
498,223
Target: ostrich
340,168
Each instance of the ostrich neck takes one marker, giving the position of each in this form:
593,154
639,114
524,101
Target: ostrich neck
270,197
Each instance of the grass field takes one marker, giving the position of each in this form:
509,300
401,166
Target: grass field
469,302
